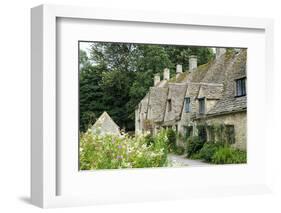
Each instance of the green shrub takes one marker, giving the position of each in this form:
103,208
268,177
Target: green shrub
208,150
195,156
228,155
194,144
172,139
179,150
149,139
112,152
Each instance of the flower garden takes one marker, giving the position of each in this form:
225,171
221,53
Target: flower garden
111,151
114,152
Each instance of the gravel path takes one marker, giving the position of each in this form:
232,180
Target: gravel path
181,160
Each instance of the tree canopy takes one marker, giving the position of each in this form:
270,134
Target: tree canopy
114,77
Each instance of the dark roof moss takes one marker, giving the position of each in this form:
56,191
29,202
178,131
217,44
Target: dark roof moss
199,73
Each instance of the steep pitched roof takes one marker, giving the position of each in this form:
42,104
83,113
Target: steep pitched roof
214,80
216,72
176,94
199,73
143,105
192,89
210,91
229,103
105,125
212,72
157,103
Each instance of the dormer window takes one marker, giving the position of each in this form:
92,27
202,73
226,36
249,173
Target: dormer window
169,102
201,105
187,104
240,87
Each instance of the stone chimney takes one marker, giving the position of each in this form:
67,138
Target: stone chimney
237,50
156,79
166,74
178,70
220,51
192,62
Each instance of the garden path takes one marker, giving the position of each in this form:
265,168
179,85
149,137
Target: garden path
181,160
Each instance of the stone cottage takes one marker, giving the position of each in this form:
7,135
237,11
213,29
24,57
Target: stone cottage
208,100
105,125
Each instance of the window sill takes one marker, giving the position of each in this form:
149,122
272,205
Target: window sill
238,96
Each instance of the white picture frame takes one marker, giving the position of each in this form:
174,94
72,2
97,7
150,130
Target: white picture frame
45,170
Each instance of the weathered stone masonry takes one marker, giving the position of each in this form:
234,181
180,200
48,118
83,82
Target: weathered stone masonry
215,94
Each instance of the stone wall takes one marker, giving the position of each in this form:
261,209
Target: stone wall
239,120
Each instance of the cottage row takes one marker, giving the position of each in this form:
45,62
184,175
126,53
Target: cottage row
209,101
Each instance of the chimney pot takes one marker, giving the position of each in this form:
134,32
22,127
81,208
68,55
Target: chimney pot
166,74
192,62
220,51
156,79
179,69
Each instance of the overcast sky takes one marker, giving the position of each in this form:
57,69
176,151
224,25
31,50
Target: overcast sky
86,47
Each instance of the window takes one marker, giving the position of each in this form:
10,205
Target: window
169,105
241,87
201,105
188,131
202,133
187,104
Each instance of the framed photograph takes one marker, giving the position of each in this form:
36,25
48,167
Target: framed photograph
131,106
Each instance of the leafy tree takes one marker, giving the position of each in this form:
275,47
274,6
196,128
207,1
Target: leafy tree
115,86
180,55
89,92
121,56
154,58
116,76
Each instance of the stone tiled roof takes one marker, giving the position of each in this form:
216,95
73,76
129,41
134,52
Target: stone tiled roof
229,102
157,103
105,125
211,91
229,105
143,105
198,74
215,80
216,72
192,89
176,93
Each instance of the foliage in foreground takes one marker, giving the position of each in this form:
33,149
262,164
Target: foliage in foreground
228,155
194,144
208,150
179,150
113,152
172,146
172,139
217,153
